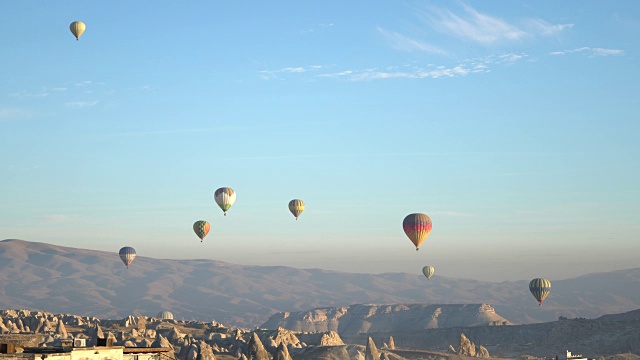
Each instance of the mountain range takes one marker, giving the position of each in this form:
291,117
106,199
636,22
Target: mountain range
87,282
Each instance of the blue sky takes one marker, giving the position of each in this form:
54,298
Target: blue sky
514,125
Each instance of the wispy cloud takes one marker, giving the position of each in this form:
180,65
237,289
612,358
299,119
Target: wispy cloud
12,114
539,26
272,74
472,25
81,104
404,43
464,68
50,91
31,94
313,29
590,51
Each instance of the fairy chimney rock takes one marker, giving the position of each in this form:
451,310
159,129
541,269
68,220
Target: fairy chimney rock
371,353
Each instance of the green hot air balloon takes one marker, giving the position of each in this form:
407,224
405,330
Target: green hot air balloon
540,289
224,197
428,271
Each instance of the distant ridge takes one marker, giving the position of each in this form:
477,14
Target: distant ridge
41,276
363,319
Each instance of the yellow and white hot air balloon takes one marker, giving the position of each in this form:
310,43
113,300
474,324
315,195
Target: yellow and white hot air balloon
77,28
296,206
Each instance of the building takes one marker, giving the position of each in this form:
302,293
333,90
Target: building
569,356
71,351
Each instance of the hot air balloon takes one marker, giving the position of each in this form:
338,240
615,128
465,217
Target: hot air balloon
417,227
127,254
165,315
296,206
77,28
428,271
540,289
201,228
224,197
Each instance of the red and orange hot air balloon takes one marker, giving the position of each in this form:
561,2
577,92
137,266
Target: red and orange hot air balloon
417,227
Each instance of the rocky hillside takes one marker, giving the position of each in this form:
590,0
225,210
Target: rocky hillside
194,340
96,283
609,334
361,319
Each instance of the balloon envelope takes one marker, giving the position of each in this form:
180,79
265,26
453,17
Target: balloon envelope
201,228
428,271
296,206
165,315
77,28
224,197
540,288
127,254
417,227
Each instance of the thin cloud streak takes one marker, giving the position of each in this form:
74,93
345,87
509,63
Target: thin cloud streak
539,26
592,52
13,114
480,65
471,25
405,43
81,104
272,74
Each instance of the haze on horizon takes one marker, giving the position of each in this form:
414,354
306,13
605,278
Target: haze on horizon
512,125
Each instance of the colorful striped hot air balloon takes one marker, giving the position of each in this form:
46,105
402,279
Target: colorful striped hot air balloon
224,197
417,227
77,28
428,271
540,288
127,254
201,228
296,206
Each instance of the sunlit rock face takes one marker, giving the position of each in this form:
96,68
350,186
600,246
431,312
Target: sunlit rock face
356,319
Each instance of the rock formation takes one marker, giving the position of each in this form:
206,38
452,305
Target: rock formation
282,353
256,350
392,343
331,339
371,353
356,319
482,352
61,330
466,347
195,340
